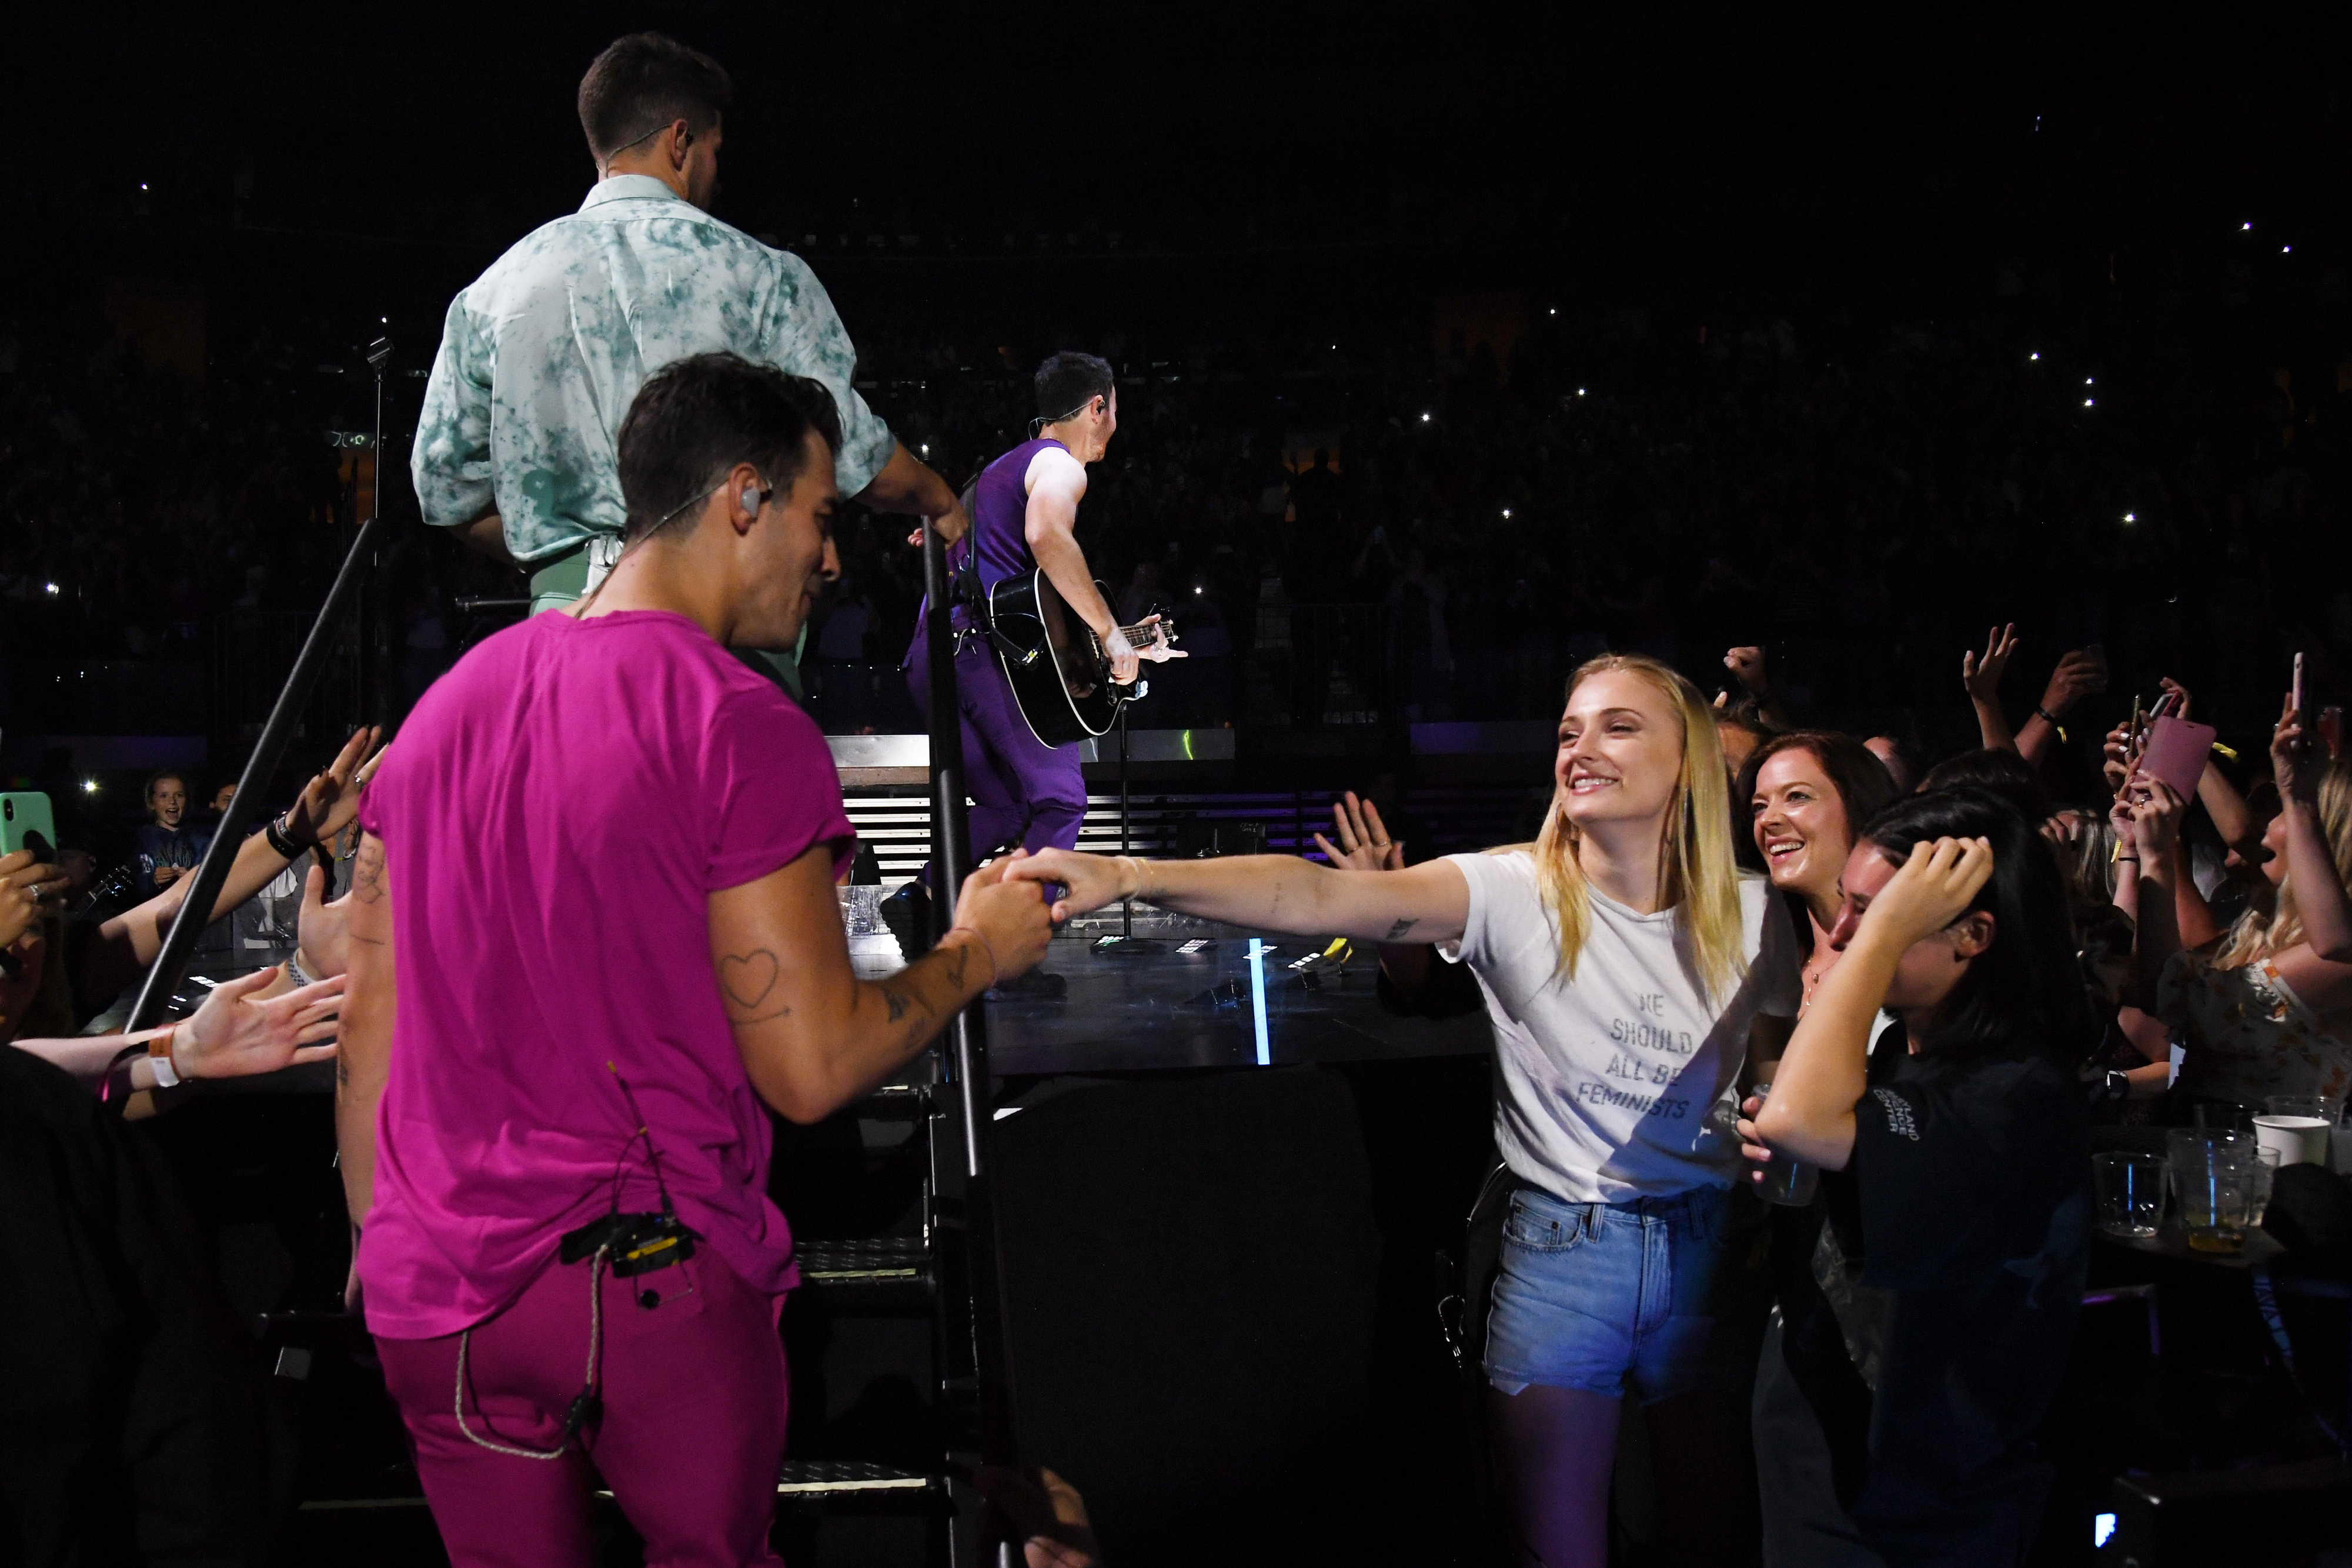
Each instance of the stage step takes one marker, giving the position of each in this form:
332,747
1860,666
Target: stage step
872,1272
817,1479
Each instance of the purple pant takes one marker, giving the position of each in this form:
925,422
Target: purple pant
690,1441
1022,791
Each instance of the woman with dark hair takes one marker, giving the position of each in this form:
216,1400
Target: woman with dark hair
1966,1152
1807,793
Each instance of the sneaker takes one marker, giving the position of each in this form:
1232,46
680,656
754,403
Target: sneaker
1035,986
908,914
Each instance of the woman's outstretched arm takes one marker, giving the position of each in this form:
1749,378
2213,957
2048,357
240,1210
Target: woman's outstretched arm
1427,903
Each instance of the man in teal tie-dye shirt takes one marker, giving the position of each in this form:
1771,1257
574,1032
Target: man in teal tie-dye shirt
541,355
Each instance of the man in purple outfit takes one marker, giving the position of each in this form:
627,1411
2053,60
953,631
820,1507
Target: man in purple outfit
1024,515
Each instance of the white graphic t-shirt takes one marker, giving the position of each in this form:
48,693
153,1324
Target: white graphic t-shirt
1607,1080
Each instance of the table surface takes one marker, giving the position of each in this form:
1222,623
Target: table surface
2172,1241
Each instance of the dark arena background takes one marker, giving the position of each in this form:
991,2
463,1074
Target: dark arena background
1452,345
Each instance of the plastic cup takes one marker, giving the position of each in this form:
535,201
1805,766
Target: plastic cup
2265,1173
2298,1139
1788,1182
861,910
2213,1178
2130,1193
2329,1108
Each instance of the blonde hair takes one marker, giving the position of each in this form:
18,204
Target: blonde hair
1701,882
2259,934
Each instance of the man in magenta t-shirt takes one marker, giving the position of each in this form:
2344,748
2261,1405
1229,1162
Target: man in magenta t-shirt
593,939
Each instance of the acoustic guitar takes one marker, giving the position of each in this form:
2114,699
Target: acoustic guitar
1054,664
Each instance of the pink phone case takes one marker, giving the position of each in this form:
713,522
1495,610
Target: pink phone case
2176,753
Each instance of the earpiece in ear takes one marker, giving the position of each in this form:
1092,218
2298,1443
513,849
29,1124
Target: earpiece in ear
750,499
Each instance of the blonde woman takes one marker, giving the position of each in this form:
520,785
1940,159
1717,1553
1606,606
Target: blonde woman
2268,1010
1623,957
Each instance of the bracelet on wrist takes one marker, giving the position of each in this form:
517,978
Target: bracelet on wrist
159,1057
2042,713
280,840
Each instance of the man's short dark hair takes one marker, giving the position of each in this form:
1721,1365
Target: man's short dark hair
699,416
1068,382
644,82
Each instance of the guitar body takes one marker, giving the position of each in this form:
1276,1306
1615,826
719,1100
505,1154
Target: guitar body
1064,688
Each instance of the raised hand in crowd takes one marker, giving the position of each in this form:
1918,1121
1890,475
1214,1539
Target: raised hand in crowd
2081,672
2118,756
240,1031
1981,675
331,799
1746,666
1364,843
29,888
2319,896
2153,813
2227,808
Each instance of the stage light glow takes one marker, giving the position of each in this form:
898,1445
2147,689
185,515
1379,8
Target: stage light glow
89,786
2035,355
2086,402
2244,228
1506,514
142,184
2131,516
1424,419
1580,392
2284,249
1553,312
2103,1530
50,586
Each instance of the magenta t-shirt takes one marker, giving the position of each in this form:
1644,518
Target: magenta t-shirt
556,813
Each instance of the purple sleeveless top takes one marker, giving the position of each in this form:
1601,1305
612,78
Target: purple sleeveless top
1000,513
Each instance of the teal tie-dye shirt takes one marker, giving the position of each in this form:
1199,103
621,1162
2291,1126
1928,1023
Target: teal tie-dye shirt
541,355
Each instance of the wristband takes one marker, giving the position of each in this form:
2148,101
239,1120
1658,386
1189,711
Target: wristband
159,1059
279,842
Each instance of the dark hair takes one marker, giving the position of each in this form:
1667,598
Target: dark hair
642,83
1746,714
2025,991
1861,781
699,416
2001,772
1069,380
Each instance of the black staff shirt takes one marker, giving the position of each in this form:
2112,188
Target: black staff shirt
1972,1179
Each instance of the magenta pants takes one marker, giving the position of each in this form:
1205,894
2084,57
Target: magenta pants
690,1440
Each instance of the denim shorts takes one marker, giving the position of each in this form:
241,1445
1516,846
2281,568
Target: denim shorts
1613,1297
